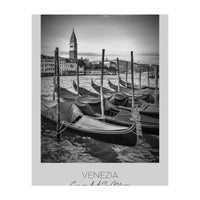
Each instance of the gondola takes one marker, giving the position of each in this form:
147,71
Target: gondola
145,101
97,88
74,121
143,95
109,93
68,94
117,99
129,85
151,110
123,83
123,102
139,96
127,91
83,91
115,114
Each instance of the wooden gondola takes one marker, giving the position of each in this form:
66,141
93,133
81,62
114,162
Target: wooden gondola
83,91
117,99
151,110
145,102
144,94
97,88
123,83
119,115
140,96
127,91
107,93
65,93
74,121
129,85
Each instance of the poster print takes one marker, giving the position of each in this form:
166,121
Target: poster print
100,103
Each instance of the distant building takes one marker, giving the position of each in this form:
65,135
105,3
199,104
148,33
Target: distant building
122,65
94,72
66,67
73,47
47,66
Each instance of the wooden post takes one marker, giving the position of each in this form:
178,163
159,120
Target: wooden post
135,111
58,91
118,74
132,79
156,84
54,78
126,84
140,78
101,89
148,76
77,77
137,119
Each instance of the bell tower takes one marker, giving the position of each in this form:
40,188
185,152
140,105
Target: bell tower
73,47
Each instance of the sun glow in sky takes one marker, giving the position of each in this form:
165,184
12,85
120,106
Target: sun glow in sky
117,34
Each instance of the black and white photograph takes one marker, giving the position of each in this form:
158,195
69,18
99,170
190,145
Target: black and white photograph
99,88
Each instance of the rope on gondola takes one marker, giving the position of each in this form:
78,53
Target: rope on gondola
61,126
137,119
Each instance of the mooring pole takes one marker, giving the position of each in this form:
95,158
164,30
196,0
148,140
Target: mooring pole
135,111
54,78
132,79
77,77
58,92
126,74
140,78
148,76
156,84
118,74
101,89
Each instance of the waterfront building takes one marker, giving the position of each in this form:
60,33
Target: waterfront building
122,65
47,66
66,67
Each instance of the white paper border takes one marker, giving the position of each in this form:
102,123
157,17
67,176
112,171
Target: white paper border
129,173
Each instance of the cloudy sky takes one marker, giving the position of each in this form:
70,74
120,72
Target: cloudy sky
117,34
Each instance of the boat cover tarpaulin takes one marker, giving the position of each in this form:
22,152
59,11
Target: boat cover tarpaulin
149,98
123,83
127,116
83,91
89,123
90,105
146,95
118,99
150,108
98,88
69,112
65,93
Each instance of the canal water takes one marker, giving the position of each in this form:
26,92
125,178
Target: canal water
73,148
